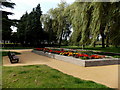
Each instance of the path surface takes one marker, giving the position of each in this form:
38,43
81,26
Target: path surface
107,75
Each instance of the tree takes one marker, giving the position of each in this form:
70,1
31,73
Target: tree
80,14
112,27
30,28
14,38
48,30
104,22
90,20
6,22
21,29
60,23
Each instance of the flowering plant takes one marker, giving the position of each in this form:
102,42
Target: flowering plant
39,49
71,53
96,56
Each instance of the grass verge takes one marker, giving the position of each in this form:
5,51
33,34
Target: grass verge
97,48
5,53
42,76
17,48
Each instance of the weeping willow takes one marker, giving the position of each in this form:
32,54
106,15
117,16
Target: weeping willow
114,23
89,20
80,20
96,21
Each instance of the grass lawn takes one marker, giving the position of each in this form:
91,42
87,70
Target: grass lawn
98,48
5,53
42,76
17,48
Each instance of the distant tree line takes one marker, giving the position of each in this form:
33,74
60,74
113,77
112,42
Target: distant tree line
80,23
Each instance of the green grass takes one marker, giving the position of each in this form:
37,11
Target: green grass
42,76
97,48
17,48
7,43
5,53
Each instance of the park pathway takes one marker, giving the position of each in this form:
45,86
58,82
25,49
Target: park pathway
106,75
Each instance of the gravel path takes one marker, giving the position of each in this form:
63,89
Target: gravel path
107,75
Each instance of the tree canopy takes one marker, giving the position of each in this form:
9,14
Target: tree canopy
79,23
6,22
30,28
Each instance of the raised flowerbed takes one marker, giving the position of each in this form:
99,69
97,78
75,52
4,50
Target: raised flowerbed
77,58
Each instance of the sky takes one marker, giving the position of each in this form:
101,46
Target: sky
27,5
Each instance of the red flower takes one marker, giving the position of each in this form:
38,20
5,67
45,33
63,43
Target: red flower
58,52
50,50
85,55
39,48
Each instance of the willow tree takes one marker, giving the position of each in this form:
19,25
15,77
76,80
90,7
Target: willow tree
60,23
113,25
105,21
48,30
80,14
90,20
71,11
85,21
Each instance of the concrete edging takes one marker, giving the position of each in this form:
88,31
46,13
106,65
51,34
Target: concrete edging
84,63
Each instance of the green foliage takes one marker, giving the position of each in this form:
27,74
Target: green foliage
14,37
8,4
30,27
50,36
17,47
60,22
89,20
42,76
6,22
84,58
97,48
116,56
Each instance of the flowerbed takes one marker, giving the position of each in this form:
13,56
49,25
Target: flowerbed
71,53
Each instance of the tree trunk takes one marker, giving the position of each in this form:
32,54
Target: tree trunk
103,36
4,43
107,42
83,46
60,39
103,41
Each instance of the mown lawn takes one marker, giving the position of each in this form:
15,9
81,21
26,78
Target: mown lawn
17,48
42,76
97,48
5,53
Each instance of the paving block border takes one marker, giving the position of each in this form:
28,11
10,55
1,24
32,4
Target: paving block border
80,62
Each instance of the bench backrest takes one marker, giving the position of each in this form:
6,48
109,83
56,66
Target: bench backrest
9,55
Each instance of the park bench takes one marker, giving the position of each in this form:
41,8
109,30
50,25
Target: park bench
13,58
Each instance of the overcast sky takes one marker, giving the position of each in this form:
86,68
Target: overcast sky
27,5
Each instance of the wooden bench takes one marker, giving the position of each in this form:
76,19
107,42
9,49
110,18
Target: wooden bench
13,58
